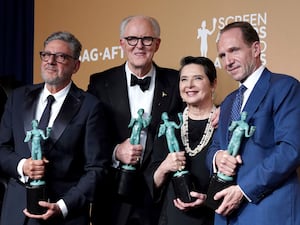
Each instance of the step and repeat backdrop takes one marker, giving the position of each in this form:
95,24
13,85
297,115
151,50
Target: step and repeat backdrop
187,28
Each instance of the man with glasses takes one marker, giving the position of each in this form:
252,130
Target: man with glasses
74,155
137,84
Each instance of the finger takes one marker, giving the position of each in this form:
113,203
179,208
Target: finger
178,204
219,195
198,195
181,168
174,156
26,212
220,210
239,159
44,204
137,159
52,209
45,160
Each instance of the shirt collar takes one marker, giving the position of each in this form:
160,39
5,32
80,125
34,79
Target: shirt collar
129,72
58,95
253,78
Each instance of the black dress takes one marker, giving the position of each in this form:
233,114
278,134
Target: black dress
170,215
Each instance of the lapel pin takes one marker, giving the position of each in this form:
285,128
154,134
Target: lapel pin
163,94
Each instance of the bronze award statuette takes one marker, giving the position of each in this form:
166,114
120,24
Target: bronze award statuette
127,177
36,189
181,180
221,181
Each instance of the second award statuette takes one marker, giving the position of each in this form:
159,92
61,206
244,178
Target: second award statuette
181,179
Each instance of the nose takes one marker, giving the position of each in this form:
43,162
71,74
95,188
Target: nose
190,83
52,59
187,84
228,60
139,44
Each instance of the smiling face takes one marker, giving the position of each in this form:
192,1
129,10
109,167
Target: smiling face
238,58
139,57
56,74
194,85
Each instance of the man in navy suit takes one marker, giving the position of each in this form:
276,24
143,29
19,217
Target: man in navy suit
122,99
267,189
74,156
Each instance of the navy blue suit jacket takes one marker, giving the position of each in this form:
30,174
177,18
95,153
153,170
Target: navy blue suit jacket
271,156
76,153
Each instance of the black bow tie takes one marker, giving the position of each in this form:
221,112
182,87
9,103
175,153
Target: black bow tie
144,83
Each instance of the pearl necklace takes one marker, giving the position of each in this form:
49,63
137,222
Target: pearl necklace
206,135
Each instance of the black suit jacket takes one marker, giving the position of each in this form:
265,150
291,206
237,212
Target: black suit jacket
110,87
3,98
76,153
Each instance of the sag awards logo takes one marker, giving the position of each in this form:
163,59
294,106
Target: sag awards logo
210,29
108,53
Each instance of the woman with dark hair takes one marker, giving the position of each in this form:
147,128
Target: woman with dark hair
198,80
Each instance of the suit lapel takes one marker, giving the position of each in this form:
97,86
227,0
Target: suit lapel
226,113
118,93
29,106
258,94
161,101
68,110
253,102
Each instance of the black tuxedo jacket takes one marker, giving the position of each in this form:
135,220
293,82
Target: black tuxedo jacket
75,150
110,87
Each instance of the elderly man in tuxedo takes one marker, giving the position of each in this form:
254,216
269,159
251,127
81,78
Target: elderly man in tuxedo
139,83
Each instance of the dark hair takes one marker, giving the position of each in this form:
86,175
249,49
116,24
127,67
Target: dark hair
73,42
249,33
208,65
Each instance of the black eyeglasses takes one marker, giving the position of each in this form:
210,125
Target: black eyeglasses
59,57
133,41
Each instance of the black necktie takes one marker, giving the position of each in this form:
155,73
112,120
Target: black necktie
143,83
237,104
46,114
